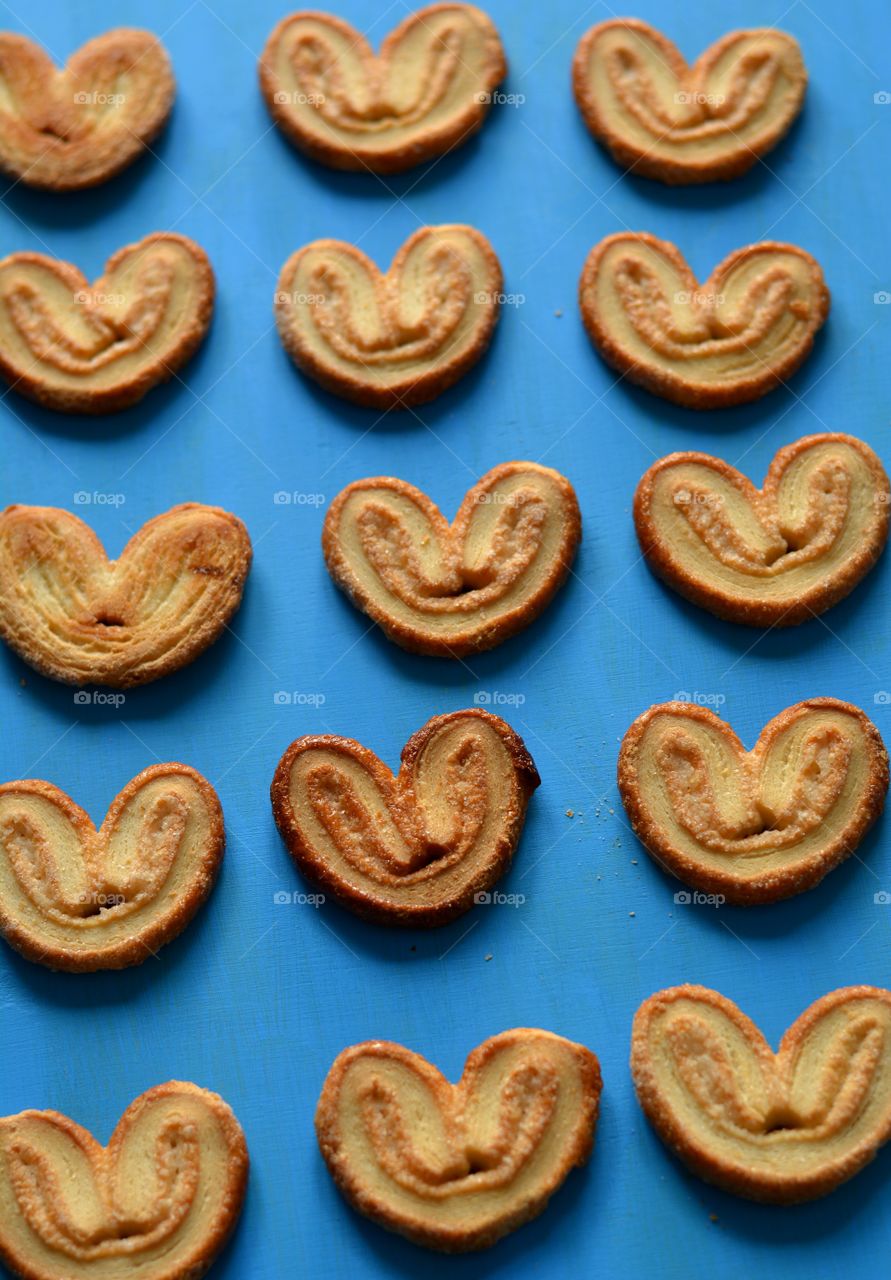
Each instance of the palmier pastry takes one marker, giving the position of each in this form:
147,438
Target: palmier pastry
760,825
456,1167
395,340
417,848
64,130
769,557
779,1127
97,348
450,590
725,342
75,898
159,1202
427,91
664,119
78,617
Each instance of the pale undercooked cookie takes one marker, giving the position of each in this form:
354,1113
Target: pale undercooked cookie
425,93
760,825
729,340
769,557
158,1203
456,1167
414,848
451,590
778,1127
76,127
75,898
396,340
664,119
78,617
97,348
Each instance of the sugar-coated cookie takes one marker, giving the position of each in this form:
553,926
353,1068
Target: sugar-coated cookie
75,898
664,119
158,1203
454,589
769,557
415,848
456,1167
732,339
779,1127
426,92
759,825
63,130
97,348
390,341
78,617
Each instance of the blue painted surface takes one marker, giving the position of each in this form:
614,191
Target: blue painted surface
255,1000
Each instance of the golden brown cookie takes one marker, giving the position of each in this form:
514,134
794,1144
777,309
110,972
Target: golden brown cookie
456,1167
63,130
706,346
778,1127
760,825
159,1202
417,848
450,590
97,348
664,119
426,93
769,557
395,340
78,617
75,898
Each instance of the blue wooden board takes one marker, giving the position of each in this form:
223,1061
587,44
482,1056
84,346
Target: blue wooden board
256,999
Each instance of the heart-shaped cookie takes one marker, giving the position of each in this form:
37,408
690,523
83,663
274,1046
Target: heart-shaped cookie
456,1167
159,1202
427,91
769,557
97,348
395,340
779,1127
74,128
450,590
725,342
664,119
413,849
75,898
78,617
760,825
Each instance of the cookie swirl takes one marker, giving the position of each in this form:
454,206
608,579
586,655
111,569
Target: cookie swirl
161,1199
782,1127
394,340
63,130
753,826
75,898
98,348
685,124
414,849
427,91
456,1167
730,340
449,590
774,556
78,617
